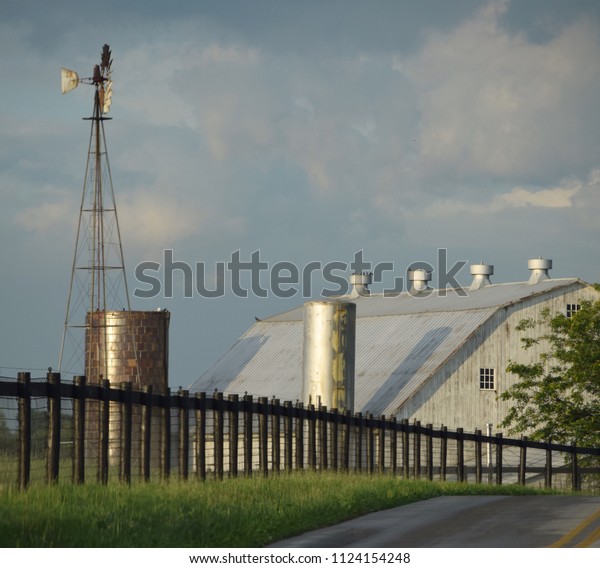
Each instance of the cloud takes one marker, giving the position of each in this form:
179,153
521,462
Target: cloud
152,221
554,198
46,216
497,104
263,132
587,204
518,197
582,196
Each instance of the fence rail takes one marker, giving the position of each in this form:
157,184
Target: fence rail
73,431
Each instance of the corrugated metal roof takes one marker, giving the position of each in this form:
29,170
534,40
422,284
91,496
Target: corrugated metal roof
444,300
400,343
394,355
265,361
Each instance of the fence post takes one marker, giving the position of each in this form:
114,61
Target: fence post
443,452
417,450
299,436
126,420
488,446
79,430
275,436
312,437
523,460
166,436
346,440
405,448
381,448
429,441
574,468
359,437
184,434
146,431
370,443
394,445
234,408
263,436
24,392
248,435
200,435
548,468
54,401
288,433
478,457
104,431
460,455
499,458
335,426
218,434
323,426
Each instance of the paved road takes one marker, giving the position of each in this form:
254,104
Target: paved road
468,522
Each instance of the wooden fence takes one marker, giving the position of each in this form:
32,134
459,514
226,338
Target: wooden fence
96,430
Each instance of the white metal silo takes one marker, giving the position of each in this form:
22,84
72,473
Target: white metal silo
329,352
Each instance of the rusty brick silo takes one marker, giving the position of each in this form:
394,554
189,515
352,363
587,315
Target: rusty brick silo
128,346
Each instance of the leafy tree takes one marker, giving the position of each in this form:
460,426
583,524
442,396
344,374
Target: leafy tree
558,397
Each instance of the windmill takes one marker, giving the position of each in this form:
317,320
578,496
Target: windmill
98,285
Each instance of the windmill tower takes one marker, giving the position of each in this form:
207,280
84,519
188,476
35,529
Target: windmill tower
102,337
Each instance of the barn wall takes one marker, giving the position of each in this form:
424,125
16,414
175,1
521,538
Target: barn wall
452,396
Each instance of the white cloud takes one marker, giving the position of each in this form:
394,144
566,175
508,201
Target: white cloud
46,216
498,104
555,198
151,221
568,195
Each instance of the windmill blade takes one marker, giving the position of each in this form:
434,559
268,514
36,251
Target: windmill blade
106,69
105,60
107,99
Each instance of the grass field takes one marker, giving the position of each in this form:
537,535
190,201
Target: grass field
230,513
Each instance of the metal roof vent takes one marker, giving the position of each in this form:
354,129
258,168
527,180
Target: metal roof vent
418,279
539,269
481,275
359,284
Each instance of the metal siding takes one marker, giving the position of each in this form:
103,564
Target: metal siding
422,364
452,396
394,356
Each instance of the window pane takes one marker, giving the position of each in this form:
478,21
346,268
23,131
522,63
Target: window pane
486,379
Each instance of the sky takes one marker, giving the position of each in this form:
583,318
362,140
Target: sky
307,131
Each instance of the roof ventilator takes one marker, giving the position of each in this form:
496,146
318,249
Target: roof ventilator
418,280
481,275
539,269
359,284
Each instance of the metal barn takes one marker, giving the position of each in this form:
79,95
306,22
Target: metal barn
438,356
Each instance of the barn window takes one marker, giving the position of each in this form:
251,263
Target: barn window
487,379
572,309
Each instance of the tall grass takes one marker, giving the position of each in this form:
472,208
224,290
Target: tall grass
230,513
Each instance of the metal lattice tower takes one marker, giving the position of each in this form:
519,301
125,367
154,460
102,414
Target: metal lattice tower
98,280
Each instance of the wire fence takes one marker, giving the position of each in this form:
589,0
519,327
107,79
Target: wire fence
53,431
